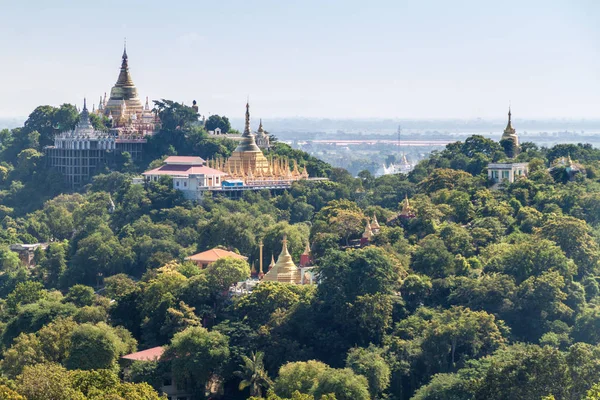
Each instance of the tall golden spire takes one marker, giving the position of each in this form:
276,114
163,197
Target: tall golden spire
124,76
509,125
247,127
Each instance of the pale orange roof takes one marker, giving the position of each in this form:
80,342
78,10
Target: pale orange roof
183,170
187,160
213,255
152,354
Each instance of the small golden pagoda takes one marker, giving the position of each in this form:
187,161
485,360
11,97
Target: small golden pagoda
284,270
407,211
375,225
247,157
368,233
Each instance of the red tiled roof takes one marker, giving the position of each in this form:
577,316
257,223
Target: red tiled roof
185,170
190,160
152,354
213,255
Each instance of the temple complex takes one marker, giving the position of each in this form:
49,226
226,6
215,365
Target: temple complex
249,165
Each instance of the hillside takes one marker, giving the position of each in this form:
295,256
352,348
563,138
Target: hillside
465,292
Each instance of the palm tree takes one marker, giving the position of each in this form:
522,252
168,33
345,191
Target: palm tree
253,374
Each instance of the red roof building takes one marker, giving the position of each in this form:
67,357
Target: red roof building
190,175
208,257
152,354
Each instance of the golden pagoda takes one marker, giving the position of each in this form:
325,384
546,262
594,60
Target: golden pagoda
124,93
248,156
368,233
375,225
284,270
407,211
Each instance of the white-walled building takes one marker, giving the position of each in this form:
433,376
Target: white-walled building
506,172
189,174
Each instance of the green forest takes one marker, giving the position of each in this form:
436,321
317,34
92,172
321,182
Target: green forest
484,294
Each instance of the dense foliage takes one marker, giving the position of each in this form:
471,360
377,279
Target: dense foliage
485,294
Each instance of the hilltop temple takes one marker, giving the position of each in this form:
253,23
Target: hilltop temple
124,108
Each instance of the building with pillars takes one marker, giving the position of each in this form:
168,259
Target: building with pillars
78,154
500,173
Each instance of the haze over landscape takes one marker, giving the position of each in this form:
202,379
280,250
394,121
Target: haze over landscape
312,200
335,59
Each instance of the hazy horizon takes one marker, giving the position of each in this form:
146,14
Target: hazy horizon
338,59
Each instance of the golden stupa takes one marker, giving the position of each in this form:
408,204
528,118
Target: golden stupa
284,270
247,158
124,95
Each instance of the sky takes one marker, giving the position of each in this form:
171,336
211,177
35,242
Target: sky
326,59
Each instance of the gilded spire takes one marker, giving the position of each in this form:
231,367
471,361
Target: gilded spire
247,127
509,128
124,77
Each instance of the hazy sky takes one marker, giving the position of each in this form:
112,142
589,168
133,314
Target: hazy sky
346,58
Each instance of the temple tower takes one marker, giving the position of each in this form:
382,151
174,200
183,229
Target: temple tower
248,156
510,133
124,90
